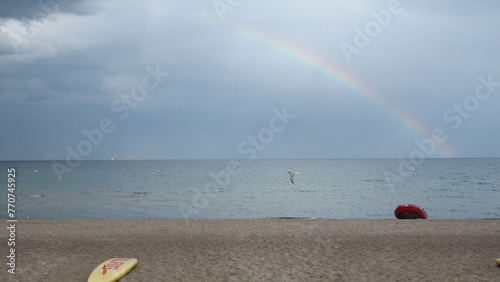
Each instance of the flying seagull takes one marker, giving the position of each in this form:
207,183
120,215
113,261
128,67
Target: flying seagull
292,175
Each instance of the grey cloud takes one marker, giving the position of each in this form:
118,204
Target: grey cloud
36,10
223,83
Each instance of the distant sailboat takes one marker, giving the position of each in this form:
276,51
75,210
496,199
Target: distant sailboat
112,159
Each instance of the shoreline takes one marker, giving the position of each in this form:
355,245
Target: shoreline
260,249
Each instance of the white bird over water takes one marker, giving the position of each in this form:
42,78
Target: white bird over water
292,175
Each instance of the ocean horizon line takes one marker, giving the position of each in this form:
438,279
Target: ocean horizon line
243,159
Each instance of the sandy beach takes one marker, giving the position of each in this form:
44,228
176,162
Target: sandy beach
259,249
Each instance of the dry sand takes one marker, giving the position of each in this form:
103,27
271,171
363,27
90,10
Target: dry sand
259,249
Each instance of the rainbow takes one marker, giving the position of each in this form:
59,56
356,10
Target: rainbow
341,77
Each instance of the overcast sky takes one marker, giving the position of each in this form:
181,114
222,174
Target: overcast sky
242,79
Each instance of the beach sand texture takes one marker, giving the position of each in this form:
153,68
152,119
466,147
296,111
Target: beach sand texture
259,249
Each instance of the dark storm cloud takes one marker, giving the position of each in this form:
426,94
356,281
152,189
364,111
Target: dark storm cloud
38,10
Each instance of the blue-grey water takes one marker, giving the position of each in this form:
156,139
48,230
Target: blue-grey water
340,188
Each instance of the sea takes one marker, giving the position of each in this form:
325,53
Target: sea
447,188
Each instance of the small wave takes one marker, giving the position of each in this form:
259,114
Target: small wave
292,217
139,193
373,180
36,196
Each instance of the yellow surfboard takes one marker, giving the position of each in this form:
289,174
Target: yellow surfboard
112,269
498,261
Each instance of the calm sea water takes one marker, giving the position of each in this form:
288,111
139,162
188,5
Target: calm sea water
340,188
